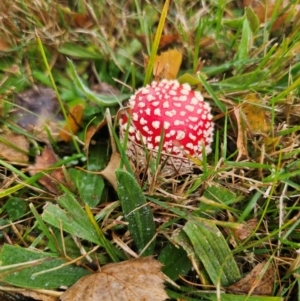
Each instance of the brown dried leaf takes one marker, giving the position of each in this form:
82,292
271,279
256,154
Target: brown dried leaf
74,122
242,136
255,114
91,131
135,280
257,282
246,229
38,109
165,40
38,296
264,10
4,46
167,64
14,147
76,20
42,163
109,173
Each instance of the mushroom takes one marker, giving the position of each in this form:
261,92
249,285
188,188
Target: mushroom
172,115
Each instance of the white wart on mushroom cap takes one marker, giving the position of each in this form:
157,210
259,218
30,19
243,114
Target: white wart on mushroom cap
173,112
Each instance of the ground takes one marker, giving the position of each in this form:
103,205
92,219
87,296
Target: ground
75,206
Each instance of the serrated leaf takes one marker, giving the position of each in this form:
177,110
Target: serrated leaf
136,211
212,249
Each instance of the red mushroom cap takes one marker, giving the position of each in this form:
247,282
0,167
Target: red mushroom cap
175,110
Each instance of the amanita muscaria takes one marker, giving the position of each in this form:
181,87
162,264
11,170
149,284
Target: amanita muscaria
172,112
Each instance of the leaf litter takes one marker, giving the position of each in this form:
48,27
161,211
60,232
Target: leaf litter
133,280
38,111
259,281
166,65
14,147
52,179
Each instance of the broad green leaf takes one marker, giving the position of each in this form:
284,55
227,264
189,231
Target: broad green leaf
252,18
136,211
15,208
233,23
25,276
245,43
175,261
190,79
217,197
90,186
98,157
241,81
211,248
76,221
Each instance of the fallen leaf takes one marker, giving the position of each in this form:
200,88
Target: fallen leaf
256,117
138,279
4,46
91,131
82,20
245,229
35,295
241,136
76,20
53,178
73,124
38,111
264,10
257,282
109,173
14,147
166,65
165,40
11,296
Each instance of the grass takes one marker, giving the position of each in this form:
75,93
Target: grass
240,207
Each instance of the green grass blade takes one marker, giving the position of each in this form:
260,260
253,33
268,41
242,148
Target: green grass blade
104,242
101,100
43,227
245,43
136,211
155,45
63,109
212,94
